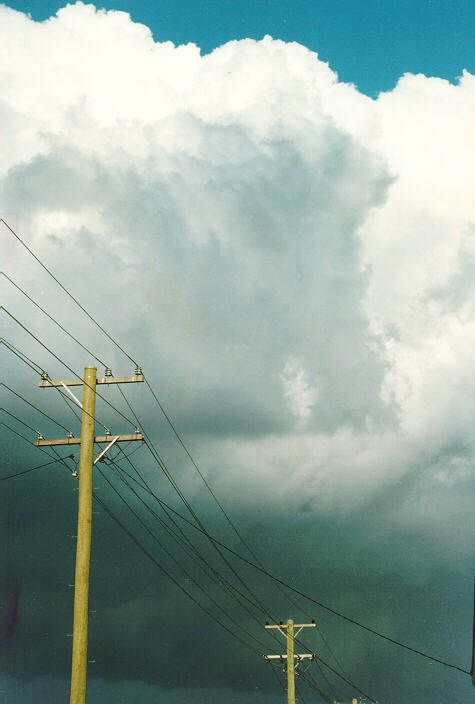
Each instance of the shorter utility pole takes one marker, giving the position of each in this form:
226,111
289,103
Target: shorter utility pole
290,636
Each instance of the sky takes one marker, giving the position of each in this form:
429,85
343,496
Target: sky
270,208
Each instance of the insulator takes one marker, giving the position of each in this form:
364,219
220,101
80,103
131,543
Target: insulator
108,432
108,371
44,376
138,371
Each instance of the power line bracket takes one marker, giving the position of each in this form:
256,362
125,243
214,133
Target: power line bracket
101,455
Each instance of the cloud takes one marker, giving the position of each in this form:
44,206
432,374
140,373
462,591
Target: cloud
291,262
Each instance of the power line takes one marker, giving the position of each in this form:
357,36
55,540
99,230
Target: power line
150,556
213,540
63,363
310,682
21,421
60,459
66,291
178,436
246,545
12,430
2,273
185,544
180,440
35,407
32,469
21,356
167,474
306,596
318,658
343,678
166,573
117,344
234,572
162,546
67,399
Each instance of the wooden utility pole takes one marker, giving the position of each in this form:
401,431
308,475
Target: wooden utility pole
290,636
290,663
83,549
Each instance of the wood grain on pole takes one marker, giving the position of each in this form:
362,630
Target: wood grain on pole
290,663
83,550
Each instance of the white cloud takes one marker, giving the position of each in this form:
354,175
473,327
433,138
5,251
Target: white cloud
298,392
246,208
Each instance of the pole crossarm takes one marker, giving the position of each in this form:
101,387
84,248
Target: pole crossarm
105,380
296,625
98,438
300,656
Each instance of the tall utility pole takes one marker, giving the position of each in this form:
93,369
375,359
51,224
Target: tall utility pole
83,549
290,636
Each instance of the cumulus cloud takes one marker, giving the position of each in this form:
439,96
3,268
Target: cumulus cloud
290,261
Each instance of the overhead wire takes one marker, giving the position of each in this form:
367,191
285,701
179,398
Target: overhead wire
21,421
310,682
35,407
214,541
177,563
197,557
167,573
31,469
186,545
60,458
56,322
69,403
320,660
66,290
146,552
64,363
178,436
306,596
173,483
21,355
218,503
67,399
43,449
17,236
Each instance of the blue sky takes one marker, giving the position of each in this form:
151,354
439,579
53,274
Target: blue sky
370,43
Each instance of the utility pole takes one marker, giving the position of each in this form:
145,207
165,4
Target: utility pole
83,549
290,636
